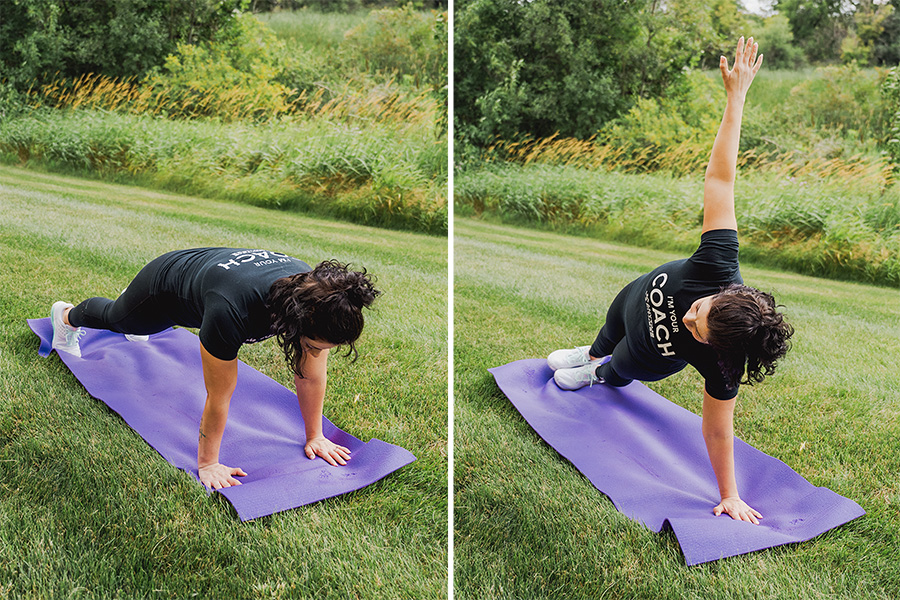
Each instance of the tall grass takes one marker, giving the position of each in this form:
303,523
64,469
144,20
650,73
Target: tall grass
810,225
690,157
370,172
312,30
228,102
223,120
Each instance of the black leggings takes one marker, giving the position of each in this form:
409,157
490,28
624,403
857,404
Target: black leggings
624,367
137,310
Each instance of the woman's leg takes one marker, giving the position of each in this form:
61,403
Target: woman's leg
613,330
135,311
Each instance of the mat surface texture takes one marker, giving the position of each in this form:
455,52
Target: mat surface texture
648,456
157,387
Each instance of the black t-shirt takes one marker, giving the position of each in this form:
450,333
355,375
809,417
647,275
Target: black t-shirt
656,335
223,291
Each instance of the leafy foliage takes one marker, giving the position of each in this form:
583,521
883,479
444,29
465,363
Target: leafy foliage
236,69
777,40
891,93
542,67
39,38
404,43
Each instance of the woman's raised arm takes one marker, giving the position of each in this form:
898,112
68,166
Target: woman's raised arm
718,191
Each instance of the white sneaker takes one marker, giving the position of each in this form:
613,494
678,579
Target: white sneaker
578,377
65,337
568,358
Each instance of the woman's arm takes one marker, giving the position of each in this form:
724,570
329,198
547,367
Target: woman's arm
718,191
718,433
311,396
220,377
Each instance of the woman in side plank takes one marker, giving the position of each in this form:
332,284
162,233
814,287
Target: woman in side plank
696,311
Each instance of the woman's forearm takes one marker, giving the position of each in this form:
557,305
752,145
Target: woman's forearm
212,428
721,456
723,159
220,377
718,433
311,397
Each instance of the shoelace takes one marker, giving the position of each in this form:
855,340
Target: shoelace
73,335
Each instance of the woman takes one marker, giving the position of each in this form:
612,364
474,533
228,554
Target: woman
696,311
237,296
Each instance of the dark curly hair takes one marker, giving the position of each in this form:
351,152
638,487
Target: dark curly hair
323,304
747,331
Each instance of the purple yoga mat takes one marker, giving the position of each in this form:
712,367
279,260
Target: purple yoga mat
648,456
157,387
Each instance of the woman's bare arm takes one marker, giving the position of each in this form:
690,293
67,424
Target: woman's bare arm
220,377
311,396
718,191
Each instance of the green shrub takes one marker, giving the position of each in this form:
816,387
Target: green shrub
119,39
777,41
230,77
689,115
890,91
401,42
844,99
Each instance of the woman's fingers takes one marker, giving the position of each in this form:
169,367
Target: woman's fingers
332,453
758,64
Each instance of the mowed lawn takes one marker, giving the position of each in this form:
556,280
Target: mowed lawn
89,510
528,525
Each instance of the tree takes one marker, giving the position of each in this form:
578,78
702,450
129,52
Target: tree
818,26
886,50
39,38
540,67
868,25
777,43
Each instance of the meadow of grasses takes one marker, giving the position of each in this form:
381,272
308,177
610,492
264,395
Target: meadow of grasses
815,193
89,510
297,118
529,525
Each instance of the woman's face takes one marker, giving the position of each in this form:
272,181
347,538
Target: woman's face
314,347
695,319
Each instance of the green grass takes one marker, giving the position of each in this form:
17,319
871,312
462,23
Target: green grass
386,174
305,126
313,30
771,90
528,525
89,510
818,227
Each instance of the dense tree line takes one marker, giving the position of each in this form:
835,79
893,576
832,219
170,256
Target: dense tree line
68,38
41,38
539,67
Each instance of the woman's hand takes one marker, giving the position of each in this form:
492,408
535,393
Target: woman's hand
738,510
218,476
331,452
746,64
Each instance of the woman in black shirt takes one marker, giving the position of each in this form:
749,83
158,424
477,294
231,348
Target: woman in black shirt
696,311
237,296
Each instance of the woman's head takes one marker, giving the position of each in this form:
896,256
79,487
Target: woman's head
747,331
324,304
